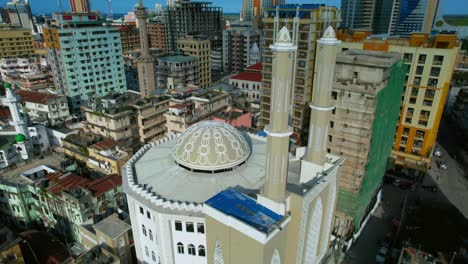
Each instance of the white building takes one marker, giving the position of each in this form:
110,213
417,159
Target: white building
44,108
250,83
216,195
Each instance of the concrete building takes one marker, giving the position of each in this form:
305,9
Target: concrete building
239,43
250,83
145,62
100,155
357,14
44,108
430,64
23,72
130,37
234,117
76,50
80,6
112,231
186,18
15,42
254,8
198,47
202,105
127,118
460,111
20,14
366,92
306,23
175,73
246,212
217,60
157,35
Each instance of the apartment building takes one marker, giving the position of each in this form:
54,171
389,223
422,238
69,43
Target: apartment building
15,42
157,35
366,93
44,108
202,105
130,37
20,14
198,47
100,155
186,18
306,22
249,82
430,64
238,43
128,119
177,72
86,57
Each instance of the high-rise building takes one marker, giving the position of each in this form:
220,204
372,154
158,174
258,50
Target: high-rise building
80,6
215,195
200,48
16,42
306,22
430,66
145,62
20,14
157,35
86,57
237,44
130,37
389,17
254,8
366,92
194,18
357,14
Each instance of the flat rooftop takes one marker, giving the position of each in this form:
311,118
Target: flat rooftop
368,57
6,141
12,175
176,58
245,209
112,226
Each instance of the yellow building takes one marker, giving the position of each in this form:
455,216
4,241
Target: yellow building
99,155
199,48
15,42
430,67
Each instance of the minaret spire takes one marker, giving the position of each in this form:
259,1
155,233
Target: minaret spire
12,101
145,62
284,54
320,105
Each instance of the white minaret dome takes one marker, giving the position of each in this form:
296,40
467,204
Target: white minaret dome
211,146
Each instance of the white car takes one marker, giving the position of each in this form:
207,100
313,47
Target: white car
381,255
437,152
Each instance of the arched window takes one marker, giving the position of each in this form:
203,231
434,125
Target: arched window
201,251
144,229
146,251
191,249
218,254
180,248
153,256
151,235
313,235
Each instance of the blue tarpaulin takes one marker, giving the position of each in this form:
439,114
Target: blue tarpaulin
245,209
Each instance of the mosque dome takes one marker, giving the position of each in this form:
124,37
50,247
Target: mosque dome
19,138
211,146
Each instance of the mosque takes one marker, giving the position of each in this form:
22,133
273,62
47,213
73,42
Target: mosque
216,195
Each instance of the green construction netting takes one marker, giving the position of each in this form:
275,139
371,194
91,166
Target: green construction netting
387,112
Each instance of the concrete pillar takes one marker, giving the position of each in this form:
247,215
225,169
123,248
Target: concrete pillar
278,130
321,95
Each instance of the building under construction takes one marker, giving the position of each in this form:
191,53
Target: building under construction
194,18
366,93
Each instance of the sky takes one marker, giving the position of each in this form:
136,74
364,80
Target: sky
229,6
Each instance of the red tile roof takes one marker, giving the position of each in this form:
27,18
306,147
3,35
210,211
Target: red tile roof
255,67
248,76
4,113
59,182
105,144
106,183
35,97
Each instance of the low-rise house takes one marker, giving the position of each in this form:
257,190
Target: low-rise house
235,117
102,156
44,108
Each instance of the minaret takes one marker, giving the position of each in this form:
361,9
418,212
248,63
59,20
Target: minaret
320,105
13,103
278,131
146,67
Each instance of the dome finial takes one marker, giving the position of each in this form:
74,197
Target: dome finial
329,33
283,36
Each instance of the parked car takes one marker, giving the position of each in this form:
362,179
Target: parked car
437,152
441,165
381,255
